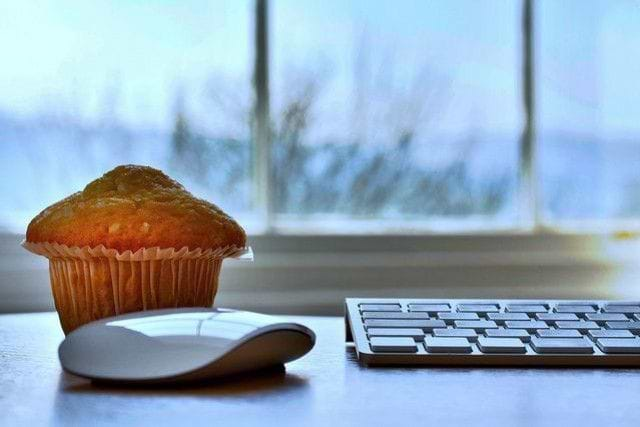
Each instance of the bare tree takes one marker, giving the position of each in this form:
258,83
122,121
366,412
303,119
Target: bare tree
371,172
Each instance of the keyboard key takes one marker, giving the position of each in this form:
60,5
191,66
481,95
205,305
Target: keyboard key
637,303
393,345
591,304
380,307
477,325
383,301
501,345
579,325
553,317
558,333
478,308
543,303
609,333
575,309
408,323
393,315
508,333
529,325
449,318
631,326
526,308
396,332
601,318
432,309
429,302
619,345
624,309
500,318
470,334
561,345
447,345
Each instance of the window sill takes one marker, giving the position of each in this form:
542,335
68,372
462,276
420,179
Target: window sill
313,273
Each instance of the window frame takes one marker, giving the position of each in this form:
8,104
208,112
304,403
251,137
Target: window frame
305,270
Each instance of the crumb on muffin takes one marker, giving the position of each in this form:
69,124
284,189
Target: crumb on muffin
133,207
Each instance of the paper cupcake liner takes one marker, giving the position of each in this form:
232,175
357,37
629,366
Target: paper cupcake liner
93,283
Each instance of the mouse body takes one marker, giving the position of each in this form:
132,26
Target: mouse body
186,344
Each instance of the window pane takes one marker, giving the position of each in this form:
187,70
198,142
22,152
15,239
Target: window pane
588,87
90,85
397,109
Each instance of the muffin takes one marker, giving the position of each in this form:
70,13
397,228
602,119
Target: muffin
132,240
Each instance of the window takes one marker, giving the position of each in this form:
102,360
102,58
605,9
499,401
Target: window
90,85
434,116
367,124
379,118
589,128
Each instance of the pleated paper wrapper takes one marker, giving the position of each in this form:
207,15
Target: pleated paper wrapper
93,283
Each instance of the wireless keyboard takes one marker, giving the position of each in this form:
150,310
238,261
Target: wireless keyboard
494,332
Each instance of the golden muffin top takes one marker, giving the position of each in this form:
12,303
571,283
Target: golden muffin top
133,207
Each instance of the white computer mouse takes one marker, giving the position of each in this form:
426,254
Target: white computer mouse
175,345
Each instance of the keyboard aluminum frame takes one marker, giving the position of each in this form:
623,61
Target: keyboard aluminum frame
356,333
